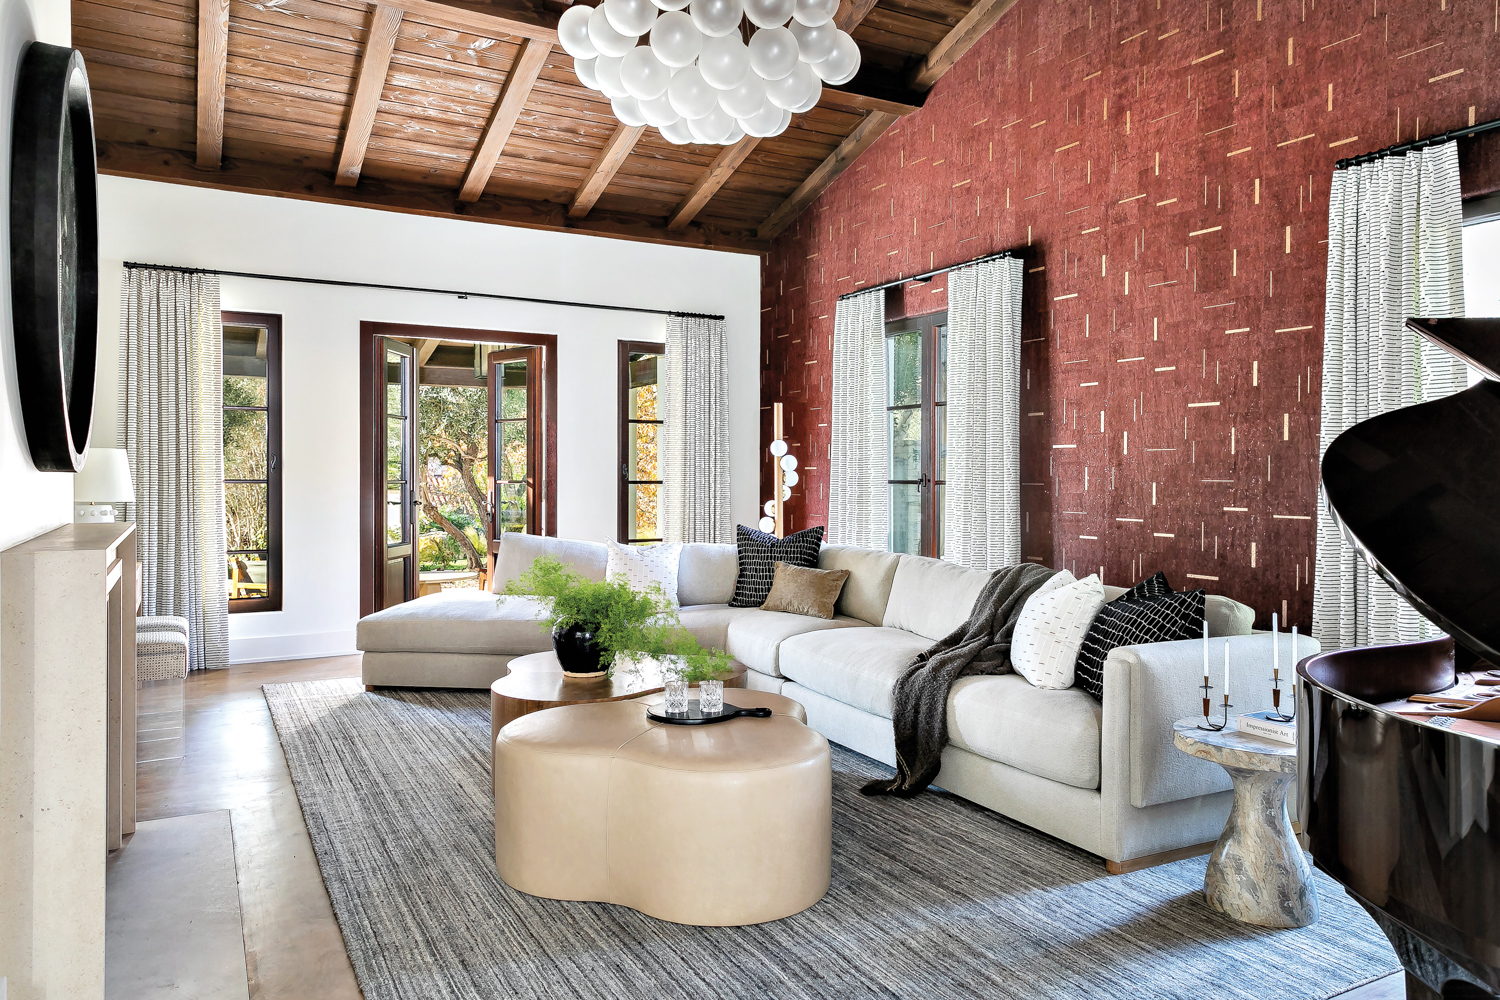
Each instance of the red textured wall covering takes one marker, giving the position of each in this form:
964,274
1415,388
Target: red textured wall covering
1165,168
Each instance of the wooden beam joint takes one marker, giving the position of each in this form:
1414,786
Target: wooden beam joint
380,42
604,168
213,69
530,59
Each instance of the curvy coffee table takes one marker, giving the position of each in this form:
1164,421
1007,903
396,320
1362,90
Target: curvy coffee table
536,682
1257,873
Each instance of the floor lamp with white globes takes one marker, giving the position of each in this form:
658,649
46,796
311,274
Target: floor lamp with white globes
103,482
783,477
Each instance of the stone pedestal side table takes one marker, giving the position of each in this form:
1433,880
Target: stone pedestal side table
1257,873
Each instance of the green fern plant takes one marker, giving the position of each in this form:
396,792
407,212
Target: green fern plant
623,620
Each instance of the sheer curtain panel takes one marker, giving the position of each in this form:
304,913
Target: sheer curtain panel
695,433
859,506
1395,250
171,413
982,506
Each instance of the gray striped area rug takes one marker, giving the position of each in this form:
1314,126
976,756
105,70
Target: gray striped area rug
931,897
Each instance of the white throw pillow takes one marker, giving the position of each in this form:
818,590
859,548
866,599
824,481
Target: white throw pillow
643,565
1051,629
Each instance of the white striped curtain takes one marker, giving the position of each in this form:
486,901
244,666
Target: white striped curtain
171,413
695,505
982,502
1395,250
859,507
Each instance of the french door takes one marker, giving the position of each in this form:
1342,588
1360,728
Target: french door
399,413
515,443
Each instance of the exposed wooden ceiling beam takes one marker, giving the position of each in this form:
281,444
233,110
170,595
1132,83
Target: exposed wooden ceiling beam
530,59
485,19
851,13
425,349
123,159
604,168
865,133
980,18
719,171
847,17
380,42
213,65
852,100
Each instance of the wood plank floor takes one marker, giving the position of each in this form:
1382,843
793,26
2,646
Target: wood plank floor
216,748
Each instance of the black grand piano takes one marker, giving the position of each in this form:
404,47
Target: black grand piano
1404,809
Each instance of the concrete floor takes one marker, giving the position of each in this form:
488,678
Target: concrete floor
172,913
215,748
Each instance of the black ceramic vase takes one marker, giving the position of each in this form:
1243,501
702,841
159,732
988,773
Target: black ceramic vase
578,652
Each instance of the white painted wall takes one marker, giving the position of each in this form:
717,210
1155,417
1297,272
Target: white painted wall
173,224
31,502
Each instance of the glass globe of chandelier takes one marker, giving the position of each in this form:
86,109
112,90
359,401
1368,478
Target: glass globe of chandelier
682,66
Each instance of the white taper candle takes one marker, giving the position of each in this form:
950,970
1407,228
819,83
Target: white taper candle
1275,646
1226,671
1205,658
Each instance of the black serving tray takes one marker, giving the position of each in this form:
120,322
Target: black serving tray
694,717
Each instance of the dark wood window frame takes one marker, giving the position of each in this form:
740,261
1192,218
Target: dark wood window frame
272,324
932,514
627,348
371,382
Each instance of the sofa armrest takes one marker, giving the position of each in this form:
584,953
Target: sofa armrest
1161,683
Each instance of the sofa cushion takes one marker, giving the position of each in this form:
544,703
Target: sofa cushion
1052,734
931,597
518,552
811,592
755,635
758,554
705,574
709,623
456,621
856,666
1225,616
641,566
1050,630
868,589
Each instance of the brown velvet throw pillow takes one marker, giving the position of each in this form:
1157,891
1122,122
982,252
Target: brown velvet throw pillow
799,591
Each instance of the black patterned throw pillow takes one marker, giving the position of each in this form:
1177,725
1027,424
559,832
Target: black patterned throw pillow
1131,623
1148,589
759,553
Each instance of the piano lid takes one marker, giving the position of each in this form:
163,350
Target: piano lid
1417,491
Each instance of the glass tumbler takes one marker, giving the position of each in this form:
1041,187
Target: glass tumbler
711,697
677,696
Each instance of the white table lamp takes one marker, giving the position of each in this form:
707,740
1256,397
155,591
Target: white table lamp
103,482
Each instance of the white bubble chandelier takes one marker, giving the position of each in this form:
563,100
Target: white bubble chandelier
694,79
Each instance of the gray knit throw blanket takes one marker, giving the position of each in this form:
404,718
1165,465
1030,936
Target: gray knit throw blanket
980,645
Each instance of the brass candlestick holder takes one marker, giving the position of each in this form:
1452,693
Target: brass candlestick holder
1276,714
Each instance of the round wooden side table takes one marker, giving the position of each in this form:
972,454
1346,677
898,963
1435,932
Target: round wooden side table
1257,873
536,681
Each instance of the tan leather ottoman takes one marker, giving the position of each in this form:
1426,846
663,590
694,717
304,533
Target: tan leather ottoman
714,825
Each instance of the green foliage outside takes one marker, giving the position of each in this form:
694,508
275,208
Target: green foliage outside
454,478
622,620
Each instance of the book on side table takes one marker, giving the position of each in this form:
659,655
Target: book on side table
1266,726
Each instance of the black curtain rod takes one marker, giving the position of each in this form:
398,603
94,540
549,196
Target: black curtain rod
932,274
1407,147
414,288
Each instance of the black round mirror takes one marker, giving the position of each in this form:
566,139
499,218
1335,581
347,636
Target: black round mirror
54,255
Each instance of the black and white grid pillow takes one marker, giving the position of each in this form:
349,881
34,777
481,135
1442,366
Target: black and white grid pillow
1130,623
759,553
1148,589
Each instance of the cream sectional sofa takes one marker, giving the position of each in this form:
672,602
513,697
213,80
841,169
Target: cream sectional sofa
1105,778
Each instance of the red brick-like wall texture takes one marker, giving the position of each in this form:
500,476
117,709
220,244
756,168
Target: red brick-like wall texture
1164,166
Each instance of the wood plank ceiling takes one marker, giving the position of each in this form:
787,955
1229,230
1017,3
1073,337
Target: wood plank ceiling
471,109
